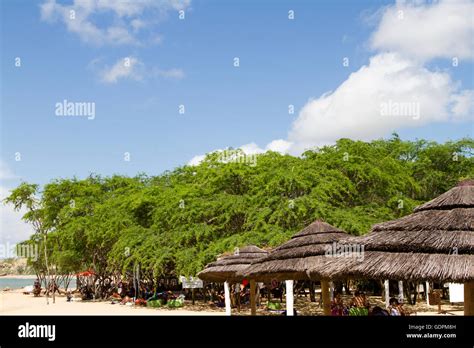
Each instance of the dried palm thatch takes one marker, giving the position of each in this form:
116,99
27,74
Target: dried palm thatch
292,259
435,243
225,268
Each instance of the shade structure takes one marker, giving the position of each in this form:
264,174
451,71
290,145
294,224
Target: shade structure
226,267
292,259
434,243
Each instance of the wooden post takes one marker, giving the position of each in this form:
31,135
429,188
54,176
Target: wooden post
237,292
227,298
311,291
416,292
469,298
400,291
427,293
257,295
289,297
253,307
387,292
325,296
331,291
193,295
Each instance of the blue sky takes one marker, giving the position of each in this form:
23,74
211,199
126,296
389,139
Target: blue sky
282,62
190,62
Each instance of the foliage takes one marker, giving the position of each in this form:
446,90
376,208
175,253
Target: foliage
177,222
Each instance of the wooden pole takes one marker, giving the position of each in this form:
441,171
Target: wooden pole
427,293
227,298
48,279
289,298
311,291
469,298
253,306
326,297
387,292
257,295
237,292
331,291
400,291
269,294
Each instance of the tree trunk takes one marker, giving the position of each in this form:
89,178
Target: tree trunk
416,294
47,269
253,307
325,297
311,292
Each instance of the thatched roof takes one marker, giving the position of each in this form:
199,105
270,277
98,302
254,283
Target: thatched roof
292,259
225,268
434,243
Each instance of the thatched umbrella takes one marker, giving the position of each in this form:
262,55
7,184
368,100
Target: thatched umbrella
435,243
291,260
227,267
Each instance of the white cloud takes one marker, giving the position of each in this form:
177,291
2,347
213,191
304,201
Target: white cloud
80,18
396,90
132,68
365,105
463,104
251,149
156,40
176,74
12,227
137,24
427,30
280,145
127,67
5,172
196,160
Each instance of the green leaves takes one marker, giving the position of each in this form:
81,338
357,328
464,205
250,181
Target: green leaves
177,222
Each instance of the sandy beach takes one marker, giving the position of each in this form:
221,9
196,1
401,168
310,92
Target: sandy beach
15,303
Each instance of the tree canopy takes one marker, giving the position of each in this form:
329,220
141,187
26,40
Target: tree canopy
174,223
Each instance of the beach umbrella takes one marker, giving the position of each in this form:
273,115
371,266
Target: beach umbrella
227,267
291,260
434,243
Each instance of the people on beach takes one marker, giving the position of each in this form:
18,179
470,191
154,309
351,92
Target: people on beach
359,305
220,302
337,306
360,300
37,288
378,312
53,287
126,300
395,308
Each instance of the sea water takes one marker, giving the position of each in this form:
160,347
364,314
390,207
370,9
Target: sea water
18,283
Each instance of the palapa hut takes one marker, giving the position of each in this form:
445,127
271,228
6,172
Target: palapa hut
291,260
227,267
435,243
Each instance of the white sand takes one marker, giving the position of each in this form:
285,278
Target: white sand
15,303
